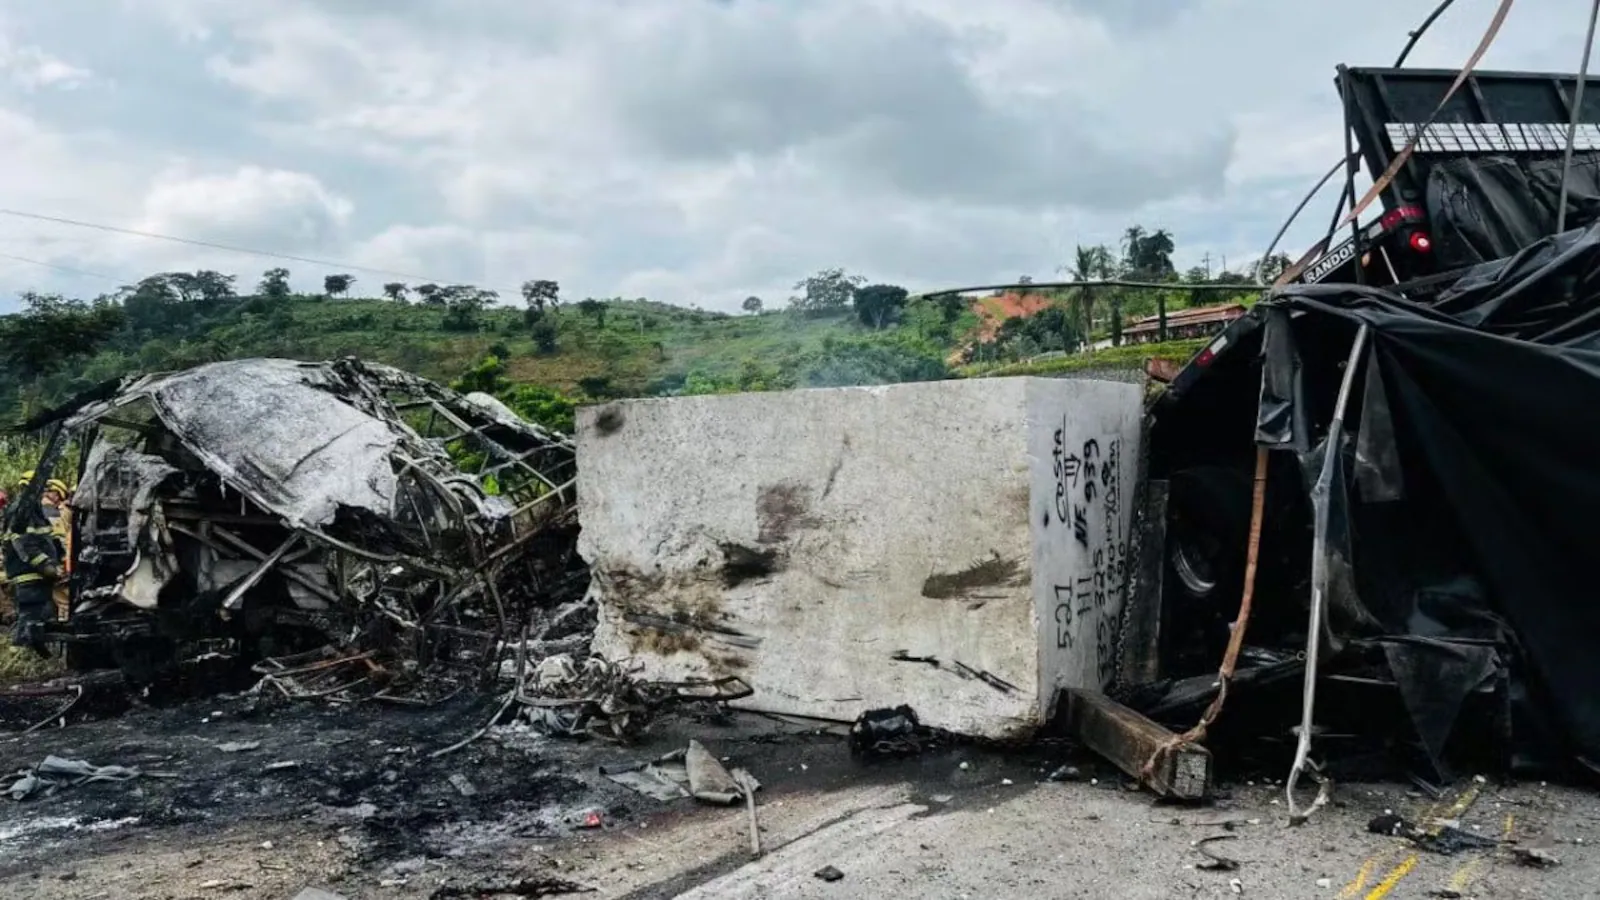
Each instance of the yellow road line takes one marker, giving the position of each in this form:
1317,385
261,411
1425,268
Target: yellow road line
1458,808
1359,883
1469,873
1382,888
1380,859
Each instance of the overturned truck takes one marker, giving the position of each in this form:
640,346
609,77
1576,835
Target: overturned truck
263,509
1408,405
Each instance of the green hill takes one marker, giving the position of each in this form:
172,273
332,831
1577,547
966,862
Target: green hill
545,357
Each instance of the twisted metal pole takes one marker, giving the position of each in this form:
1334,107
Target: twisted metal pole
1577,112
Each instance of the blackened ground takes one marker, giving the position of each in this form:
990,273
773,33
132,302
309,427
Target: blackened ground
363,769
363,809
362,777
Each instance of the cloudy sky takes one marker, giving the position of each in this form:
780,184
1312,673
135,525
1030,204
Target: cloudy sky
693,151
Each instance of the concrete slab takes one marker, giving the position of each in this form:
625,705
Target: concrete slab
957,546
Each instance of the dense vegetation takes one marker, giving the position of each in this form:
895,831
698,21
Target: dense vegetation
544,355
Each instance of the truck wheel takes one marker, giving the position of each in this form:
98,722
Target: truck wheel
1208,526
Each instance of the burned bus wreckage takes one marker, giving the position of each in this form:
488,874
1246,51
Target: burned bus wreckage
308,517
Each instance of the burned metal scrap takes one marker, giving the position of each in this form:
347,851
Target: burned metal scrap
597,697
342,526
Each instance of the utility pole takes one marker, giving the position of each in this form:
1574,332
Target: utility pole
1207,261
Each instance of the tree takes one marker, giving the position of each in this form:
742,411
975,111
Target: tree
274,285
396,291
828,291
751,305
52,331
1273,267
215,288
1089,263
951,306
431,294
542,406
1147,256
595,309
487,377
1053,328
464,305
878,305
541,294
596,386
150,305
337,285
544,336
204,290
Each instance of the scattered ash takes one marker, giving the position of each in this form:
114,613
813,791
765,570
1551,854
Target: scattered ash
363,773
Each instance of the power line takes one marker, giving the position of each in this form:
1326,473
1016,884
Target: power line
1110,282
60,268
229,248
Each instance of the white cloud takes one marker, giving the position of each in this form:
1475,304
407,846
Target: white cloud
249,206
32,69
695,152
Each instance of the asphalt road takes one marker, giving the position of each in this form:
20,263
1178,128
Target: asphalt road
953,824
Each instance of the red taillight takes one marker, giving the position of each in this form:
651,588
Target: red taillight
1394,217
1205,357
1420,242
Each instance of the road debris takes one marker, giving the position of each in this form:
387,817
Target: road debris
55,772
749,785
1443,839
314,893
600,698
829,874
1536,858
690,772
1167,763
1215,862
888,733
522,887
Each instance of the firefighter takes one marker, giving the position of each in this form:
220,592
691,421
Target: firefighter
5,588
32,566
59,514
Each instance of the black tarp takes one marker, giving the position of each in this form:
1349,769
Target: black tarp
1475,482
1488,207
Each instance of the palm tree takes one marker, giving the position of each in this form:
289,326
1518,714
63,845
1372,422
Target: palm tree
1089,264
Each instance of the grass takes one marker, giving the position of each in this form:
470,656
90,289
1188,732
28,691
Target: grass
20,665
638,344
1128,357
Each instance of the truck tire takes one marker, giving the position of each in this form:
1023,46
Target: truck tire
1208,527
